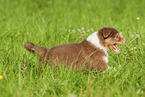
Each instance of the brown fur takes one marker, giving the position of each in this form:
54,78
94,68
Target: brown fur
78,55
110,37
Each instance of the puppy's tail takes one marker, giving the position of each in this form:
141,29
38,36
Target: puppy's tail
29,46
38,50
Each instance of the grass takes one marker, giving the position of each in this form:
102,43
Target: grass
55,22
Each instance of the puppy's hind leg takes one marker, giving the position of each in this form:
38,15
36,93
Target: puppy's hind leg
42,64
42,61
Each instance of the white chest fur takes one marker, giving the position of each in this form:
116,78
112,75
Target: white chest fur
106,59
93,39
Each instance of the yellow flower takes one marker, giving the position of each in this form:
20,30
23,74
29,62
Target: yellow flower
128,27
138,18
1,77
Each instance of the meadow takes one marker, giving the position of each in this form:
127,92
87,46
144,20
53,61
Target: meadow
54,22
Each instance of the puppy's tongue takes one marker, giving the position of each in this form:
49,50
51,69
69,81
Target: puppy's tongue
116,48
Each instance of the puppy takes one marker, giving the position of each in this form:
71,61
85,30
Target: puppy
91,53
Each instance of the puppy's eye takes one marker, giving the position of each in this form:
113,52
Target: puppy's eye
116,36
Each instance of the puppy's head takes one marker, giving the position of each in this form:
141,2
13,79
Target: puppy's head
109,38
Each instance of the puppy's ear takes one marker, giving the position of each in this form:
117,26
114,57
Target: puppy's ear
106,32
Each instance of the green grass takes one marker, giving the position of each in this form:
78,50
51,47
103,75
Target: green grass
52,22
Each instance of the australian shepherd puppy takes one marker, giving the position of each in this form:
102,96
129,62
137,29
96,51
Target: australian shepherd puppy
91,53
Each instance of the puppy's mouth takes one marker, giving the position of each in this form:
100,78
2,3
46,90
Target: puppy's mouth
116,48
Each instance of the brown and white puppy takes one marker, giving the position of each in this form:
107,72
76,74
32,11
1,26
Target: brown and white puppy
91,53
